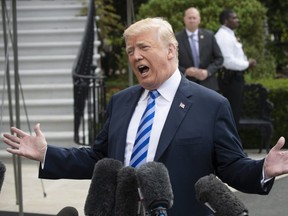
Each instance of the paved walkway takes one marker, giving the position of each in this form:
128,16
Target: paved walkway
274,204
59,193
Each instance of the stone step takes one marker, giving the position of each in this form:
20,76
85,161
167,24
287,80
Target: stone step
45,91
48,122
61,138
49,35
58,130
22,3
41,106
44,76
50,23
57,138
47,62
47,48
41,10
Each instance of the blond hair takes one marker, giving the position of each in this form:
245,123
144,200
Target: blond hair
166,34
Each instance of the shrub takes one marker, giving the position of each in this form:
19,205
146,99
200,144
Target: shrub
252,30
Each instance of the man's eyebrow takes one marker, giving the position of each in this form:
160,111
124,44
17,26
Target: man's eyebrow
140,43
129,48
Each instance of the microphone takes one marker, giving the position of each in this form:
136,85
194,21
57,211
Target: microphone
2,173
127,201
213,193
68,211
155,189
100,200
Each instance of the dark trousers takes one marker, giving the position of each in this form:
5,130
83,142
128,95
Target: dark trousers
231,85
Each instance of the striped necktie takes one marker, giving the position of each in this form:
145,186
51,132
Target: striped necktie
195,55
140,149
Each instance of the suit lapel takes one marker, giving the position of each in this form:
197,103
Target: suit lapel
201,42
187,44
181,104
125,116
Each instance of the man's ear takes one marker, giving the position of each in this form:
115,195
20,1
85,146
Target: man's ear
171,51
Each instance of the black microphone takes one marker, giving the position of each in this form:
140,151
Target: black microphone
213,193
155,188
100,200
127,201
2,173
68,211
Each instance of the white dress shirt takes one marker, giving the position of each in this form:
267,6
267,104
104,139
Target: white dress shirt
231,48
167,92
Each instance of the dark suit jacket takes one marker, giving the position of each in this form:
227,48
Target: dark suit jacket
196,140
209,53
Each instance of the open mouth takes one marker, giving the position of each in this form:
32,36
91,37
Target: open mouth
143,69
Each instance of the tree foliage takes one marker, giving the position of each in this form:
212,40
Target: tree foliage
110,30
252,30
112,21
278,30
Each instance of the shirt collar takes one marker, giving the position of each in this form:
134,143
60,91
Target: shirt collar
189,33
227,29
168,89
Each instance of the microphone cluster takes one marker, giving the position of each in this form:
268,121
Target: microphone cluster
126,191
214,194
2,174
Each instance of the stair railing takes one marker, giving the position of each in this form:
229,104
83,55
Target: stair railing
10,36
88,86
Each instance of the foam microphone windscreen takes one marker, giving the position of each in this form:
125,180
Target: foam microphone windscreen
213,193
2,174
127,201
155,186
68,211
100,200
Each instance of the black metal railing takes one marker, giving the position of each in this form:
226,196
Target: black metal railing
89,87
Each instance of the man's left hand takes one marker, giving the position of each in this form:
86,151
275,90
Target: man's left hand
276,162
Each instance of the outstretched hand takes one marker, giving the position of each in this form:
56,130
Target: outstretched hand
32,147
276,162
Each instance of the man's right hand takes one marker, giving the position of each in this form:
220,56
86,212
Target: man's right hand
197,73
23,144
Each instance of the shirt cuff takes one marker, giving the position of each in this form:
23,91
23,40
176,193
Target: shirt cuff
43,162
263,180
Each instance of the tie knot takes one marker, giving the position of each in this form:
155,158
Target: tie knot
154,94
192,36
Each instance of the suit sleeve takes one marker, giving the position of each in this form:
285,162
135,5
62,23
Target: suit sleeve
75,163
68,163
217,57
233,166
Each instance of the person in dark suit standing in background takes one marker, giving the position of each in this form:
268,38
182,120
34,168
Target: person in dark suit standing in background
199,54
193,132
231,77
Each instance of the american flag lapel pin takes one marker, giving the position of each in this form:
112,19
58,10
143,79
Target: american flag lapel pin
182,105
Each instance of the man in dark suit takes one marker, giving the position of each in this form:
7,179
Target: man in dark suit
193,132
207,51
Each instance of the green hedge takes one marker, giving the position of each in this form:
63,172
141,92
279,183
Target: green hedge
278,95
